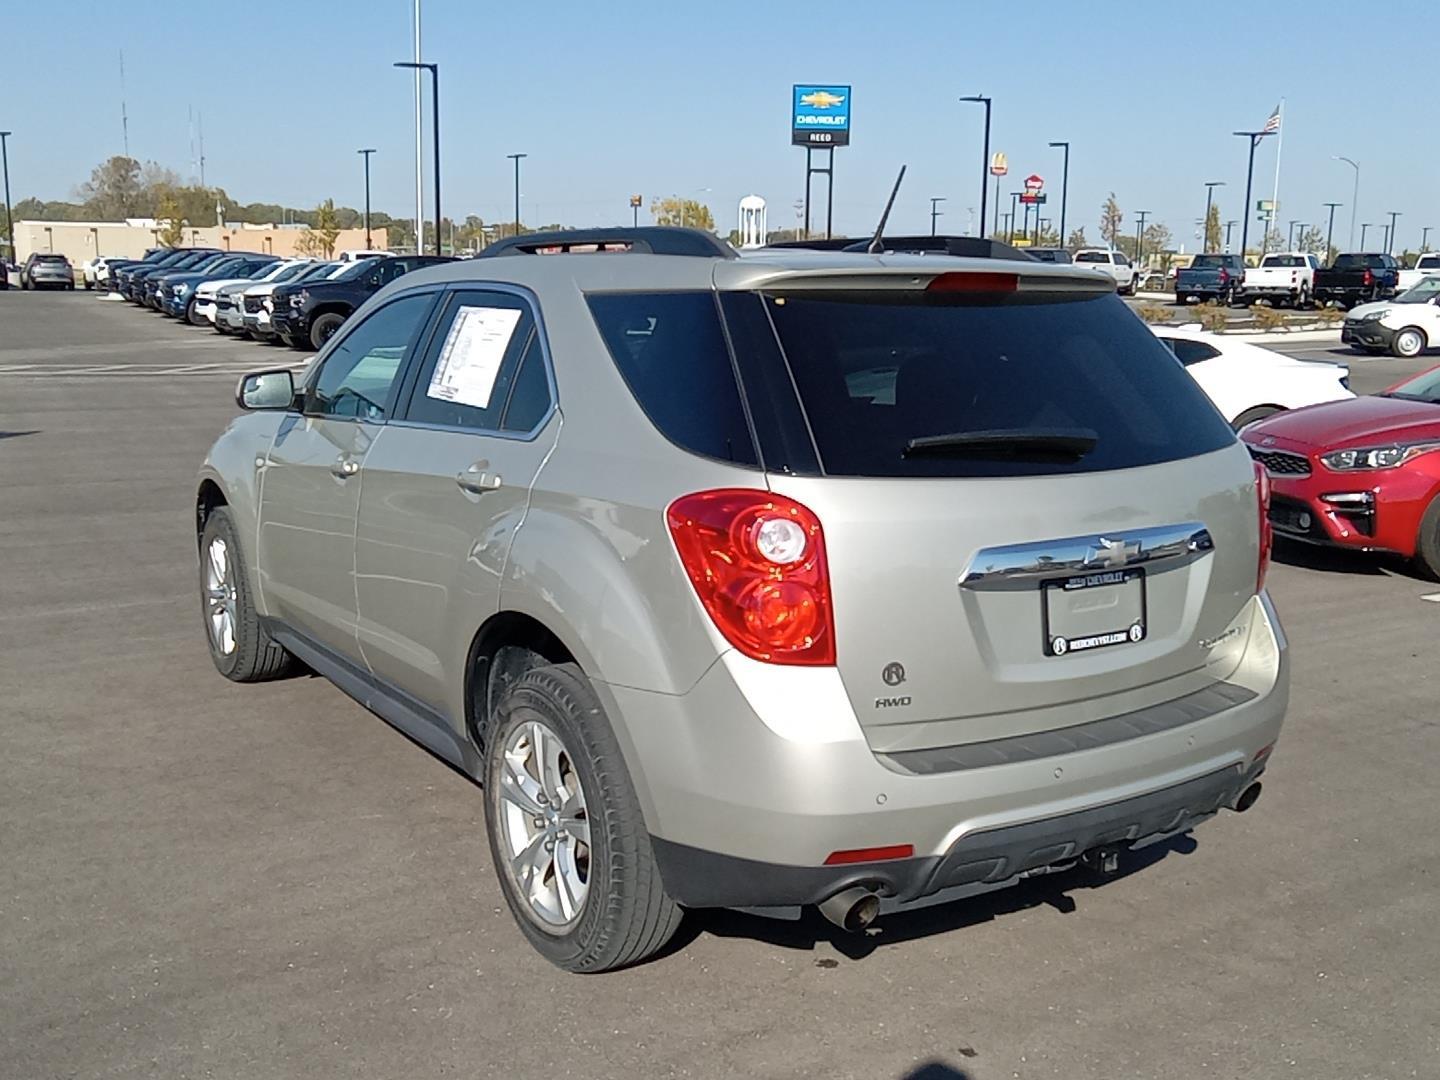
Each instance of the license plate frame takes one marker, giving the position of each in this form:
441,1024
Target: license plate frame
1056,640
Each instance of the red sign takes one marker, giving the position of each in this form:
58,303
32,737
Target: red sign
1033,184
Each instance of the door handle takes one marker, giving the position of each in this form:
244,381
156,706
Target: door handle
477,479
344,467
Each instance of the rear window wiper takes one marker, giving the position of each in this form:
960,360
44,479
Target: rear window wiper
1022,444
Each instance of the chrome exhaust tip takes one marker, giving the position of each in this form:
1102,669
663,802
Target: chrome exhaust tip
852,909
1246,798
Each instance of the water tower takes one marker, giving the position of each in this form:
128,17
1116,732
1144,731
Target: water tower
752,222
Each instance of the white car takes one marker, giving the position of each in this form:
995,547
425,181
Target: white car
1405,325
1424,267
93,270
205,295
1112,263
356,254
1248,383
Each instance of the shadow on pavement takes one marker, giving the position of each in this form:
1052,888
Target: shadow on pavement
1341,560
17,434
1051,890
936,1070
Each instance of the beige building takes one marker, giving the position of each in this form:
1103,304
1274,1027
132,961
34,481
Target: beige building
81,240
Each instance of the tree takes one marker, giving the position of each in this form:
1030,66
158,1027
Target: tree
1214,234
688,212
1076,239
1311,240
1110,221
1158,238
172,230
319,239
113,188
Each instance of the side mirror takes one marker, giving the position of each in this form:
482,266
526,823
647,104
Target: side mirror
266,390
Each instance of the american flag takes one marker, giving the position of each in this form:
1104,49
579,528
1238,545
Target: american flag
1273,124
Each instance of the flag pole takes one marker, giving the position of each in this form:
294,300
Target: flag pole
1275,191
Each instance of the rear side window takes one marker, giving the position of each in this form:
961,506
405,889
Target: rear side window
1190,352
672,353
877,370
1091,257
1209,262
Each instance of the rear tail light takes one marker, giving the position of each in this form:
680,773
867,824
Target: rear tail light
757,562
1369,278
1224,276
869,854
975,283
1267,534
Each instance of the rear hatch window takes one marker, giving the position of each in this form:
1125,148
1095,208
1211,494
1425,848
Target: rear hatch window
884,376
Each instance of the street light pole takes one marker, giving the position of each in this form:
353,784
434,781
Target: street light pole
434,70
516,158
1140,216
1228,226
366,154
1254,137
9,221
1354,197
1210,186
935,201
1014,198
985,160
1425,238
1064,188
1330,228
1364,228
1390,233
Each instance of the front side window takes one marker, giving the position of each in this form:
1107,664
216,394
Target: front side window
359,374
469,376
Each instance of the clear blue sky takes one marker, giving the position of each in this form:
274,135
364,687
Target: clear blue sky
662,98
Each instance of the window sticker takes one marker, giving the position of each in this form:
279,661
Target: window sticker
470,358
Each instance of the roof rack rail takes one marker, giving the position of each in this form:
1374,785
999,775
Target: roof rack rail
645,240
972,247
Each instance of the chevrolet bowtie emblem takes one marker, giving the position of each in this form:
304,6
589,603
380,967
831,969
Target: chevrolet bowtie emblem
1112,552
821,99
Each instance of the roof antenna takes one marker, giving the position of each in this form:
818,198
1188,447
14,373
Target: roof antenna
877,245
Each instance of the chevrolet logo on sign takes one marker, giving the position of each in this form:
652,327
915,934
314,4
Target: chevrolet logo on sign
821,99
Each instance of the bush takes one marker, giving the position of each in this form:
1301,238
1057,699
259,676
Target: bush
1212,316
1154,313
1267,318
1330,315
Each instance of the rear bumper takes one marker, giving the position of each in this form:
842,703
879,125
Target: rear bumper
752,779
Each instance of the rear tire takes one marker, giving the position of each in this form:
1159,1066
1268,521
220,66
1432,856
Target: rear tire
1249,416
1409,343
1181,299
622,914
239,646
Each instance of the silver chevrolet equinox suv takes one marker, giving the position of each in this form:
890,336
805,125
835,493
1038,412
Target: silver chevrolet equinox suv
784,579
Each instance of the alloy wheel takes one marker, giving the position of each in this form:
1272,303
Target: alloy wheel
220,596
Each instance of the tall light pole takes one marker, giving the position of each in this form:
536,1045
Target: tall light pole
1014,197
1228,226
1064,188
1254,137
9,221
1210,186
1354,197
366,154
935,212
434,70
1290,234
1364,228
1330,228
1425,237
1390,232
985,160
1140,216
517,159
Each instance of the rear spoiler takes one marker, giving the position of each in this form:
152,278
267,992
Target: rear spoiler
644,240
970,247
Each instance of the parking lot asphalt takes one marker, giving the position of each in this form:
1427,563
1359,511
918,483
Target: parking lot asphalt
199,879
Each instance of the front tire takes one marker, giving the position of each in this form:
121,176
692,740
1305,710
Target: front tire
191,317
566,833
239,646
1409,343
1427,543
323,329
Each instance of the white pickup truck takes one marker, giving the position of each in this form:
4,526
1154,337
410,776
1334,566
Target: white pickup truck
1424,266
1286,277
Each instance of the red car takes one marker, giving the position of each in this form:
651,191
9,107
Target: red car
1362,473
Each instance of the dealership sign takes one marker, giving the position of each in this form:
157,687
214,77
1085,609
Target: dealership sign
820,116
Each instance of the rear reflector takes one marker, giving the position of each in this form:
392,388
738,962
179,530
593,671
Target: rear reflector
973,283
870,854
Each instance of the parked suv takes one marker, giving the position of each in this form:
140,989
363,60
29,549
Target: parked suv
307,315
47,272
791,579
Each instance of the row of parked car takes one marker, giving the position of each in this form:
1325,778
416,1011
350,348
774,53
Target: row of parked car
299,302
1297,278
